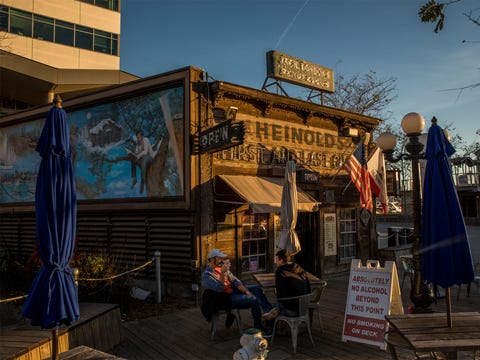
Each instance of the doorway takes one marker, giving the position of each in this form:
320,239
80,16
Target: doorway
308,234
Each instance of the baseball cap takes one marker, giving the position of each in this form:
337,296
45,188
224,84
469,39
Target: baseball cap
216,252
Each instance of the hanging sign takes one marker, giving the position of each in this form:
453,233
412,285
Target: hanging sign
373,292
221,136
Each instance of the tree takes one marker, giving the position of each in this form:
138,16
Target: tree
363,94
433,11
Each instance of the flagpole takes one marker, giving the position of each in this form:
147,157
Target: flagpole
341,167
346,187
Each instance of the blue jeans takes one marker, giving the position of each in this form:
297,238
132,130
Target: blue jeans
256,302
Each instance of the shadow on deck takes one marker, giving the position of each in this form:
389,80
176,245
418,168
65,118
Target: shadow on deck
184,334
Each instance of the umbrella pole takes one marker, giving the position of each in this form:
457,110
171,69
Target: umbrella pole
55,344
449,307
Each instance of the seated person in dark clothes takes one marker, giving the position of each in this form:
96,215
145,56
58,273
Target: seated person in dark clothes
213,301
290,280
218,278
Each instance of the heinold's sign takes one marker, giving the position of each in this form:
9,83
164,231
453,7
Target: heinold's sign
269,142
222,136
284,67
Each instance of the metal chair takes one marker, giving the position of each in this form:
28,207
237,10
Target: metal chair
295,322
218,314
476,281
407,270
314,304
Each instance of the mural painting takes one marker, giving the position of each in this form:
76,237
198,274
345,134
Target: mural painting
125,149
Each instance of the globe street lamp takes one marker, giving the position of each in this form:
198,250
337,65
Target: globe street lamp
412,124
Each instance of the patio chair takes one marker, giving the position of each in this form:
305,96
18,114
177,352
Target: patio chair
220,313
295,322
317,293
213,305
407,270
476,281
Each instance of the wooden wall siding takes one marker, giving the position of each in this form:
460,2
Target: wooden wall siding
133,238
173,236
17,235
93,232
129,239
28,235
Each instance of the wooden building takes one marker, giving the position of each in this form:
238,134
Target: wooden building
212,180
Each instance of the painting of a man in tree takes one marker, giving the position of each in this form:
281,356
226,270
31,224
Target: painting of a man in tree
127,148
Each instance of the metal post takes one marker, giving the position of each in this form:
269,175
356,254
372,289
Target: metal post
420,295
55,333
412,124
76,273
158,277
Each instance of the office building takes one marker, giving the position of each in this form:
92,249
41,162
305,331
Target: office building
66,47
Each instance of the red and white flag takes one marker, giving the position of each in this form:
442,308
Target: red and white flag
356,166
376,168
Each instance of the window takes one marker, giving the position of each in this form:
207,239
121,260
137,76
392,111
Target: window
84,37
64,32
348,234
114,44
20,22
106,4
61,32
3,18
43,28
254,243
101,41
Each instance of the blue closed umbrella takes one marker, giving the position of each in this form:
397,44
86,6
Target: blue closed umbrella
446,255
53,297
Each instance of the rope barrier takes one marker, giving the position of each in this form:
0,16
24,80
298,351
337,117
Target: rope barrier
13,299
87,279
119,275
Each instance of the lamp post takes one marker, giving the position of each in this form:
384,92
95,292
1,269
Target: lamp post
412,124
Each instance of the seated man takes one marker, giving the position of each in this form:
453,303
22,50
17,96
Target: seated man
290,280
218,277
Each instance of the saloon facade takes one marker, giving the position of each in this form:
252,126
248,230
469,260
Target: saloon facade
214,179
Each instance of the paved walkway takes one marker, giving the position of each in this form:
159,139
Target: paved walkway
184,334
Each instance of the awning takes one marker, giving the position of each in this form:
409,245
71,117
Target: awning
264,194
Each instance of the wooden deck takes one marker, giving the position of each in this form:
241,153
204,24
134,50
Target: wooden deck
99,327
86,353
184,334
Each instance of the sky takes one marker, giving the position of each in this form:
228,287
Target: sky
229,39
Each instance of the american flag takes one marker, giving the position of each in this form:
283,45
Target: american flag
356,166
